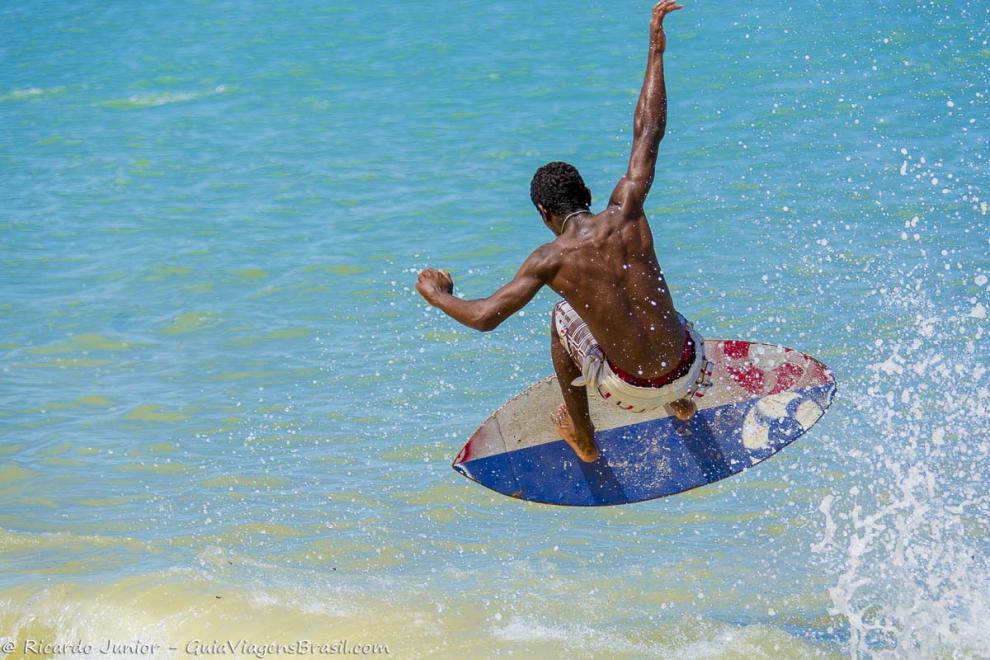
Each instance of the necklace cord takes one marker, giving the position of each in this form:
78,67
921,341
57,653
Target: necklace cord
571,215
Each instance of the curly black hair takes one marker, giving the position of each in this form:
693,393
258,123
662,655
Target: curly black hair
559,188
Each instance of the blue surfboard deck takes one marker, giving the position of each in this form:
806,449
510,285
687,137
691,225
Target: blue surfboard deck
763,398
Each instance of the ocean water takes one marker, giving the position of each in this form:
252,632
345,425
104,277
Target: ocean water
226,415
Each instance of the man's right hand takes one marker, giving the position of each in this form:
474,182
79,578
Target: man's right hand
660,10
432,282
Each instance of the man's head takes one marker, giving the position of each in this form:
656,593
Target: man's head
557,190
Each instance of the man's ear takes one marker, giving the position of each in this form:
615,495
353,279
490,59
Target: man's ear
543,213
587,196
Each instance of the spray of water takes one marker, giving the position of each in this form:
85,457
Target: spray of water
909,540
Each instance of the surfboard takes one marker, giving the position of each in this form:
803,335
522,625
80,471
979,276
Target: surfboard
762,397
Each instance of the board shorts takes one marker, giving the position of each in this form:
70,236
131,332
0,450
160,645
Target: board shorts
618,387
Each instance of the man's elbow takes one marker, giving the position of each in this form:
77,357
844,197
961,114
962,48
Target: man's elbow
654,134
648,128
488,319
487,323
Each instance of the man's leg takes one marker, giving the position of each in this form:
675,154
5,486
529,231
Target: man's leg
573,419
684,409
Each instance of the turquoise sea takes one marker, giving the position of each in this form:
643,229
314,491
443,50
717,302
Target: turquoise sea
226,415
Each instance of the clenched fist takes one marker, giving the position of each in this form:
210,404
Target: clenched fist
433,282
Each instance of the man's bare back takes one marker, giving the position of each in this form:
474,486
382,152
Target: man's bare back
606,268
603,265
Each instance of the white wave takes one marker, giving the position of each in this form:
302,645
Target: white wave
910,543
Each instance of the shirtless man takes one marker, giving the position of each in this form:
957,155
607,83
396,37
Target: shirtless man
616,329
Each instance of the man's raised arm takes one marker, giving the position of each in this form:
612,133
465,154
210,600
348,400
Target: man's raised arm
649,122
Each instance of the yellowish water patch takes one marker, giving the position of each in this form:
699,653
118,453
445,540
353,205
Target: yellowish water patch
161,448
290,333
199,287
371,379
106,502
269,530
707,517
242,375
75,567
441,493
415,622
65,462
57,139
12,473
276,335
8,450
331,459
742,185
175,612
84,343
227,425
776,529
158,468
46,502
350,555
354,497
161,272
250,274
443,515
444,335
704,493
189,322
95,400
65,363
417,454
489,250
235,481
150,412
11,541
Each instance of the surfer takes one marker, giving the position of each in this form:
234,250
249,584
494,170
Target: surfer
617,329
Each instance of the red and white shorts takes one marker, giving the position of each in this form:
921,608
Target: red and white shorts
616,386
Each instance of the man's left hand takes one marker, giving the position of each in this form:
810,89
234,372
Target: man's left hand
432,282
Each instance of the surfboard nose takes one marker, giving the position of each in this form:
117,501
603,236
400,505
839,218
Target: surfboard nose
458,465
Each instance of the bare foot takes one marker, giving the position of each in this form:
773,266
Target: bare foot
586,451
683,409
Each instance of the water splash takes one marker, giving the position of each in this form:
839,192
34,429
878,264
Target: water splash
909,542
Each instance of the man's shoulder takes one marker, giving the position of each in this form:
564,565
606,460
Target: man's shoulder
634,212
548,252
545,260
